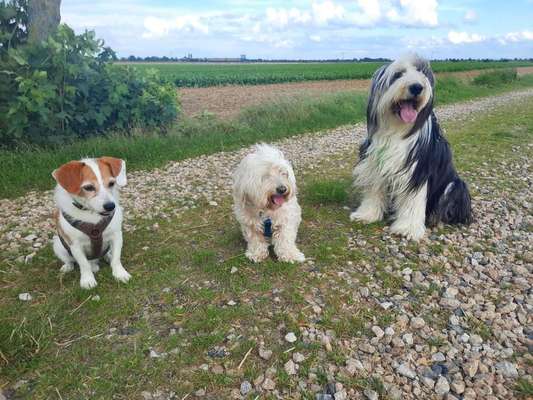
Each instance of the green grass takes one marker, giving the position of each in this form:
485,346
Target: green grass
202,75
524,387
28,169
61,343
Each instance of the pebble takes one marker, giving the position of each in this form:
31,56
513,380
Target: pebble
442,386
268,384
507,369
378,331
290,367
233,270
475,340
470,368
371,394
25,297
353,366
298,357
403,369
438,357
340,395
367,348
417,323
290,337
265,354
246,387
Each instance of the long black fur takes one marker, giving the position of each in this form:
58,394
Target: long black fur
434,165
432,155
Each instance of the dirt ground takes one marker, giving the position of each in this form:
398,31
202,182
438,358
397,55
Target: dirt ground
227,101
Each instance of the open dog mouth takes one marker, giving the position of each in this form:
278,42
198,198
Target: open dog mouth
277,200
407,110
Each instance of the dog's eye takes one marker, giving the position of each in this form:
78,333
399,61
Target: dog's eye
111,184
89,188
396,76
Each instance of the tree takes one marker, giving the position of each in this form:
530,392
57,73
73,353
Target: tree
43,19
13,24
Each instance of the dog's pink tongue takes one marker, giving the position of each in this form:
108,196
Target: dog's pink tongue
278,199
408,113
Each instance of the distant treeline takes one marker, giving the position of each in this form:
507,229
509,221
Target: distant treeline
263,60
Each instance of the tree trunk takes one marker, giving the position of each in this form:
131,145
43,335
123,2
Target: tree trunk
43,19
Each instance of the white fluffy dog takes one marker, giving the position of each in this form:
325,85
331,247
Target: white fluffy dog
265,204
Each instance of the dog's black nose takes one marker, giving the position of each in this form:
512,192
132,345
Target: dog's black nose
416,89
281,189
109,206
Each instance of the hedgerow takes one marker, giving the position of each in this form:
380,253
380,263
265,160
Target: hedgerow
66,87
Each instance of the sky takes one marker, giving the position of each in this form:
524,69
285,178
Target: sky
321,29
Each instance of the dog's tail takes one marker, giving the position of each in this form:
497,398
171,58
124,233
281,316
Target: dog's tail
455,204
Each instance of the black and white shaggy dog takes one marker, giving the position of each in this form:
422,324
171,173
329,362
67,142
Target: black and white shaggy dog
405,161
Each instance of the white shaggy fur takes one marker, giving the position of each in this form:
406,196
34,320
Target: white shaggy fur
256,181
81,244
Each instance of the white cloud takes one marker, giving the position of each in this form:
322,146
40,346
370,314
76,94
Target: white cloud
519,36
371,9
315,38
415,12
282,17
160,27
515,37
327,11
465,37
470,16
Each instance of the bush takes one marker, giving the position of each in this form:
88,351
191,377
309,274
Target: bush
496,78
67,87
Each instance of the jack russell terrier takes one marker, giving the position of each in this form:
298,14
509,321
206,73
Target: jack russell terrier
88,217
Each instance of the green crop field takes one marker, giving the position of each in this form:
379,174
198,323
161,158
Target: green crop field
203,75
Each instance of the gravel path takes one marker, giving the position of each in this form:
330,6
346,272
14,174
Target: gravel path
26,223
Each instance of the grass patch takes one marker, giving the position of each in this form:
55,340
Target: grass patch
496,78
29,168
524,387
327,191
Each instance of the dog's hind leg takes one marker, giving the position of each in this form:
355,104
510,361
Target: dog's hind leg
372,207
410,215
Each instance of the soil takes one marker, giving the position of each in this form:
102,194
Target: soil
227,101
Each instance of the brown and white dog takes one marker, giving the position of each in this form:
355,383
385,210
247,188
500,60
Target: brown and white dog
88,216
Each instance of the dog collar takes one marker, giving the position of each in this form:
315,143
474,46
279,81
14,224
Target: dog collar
267,227
78,205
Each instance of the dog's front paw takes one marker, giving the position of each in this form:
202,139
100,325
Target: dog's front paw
366,215
291,256
257,254
120,274
410,231
66,268
87,282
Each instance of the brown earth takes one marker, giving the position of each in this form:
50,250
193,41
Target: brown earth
227,101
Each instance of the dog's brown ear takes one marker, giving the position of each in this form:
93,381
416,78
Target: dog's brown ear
118,168
69,176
